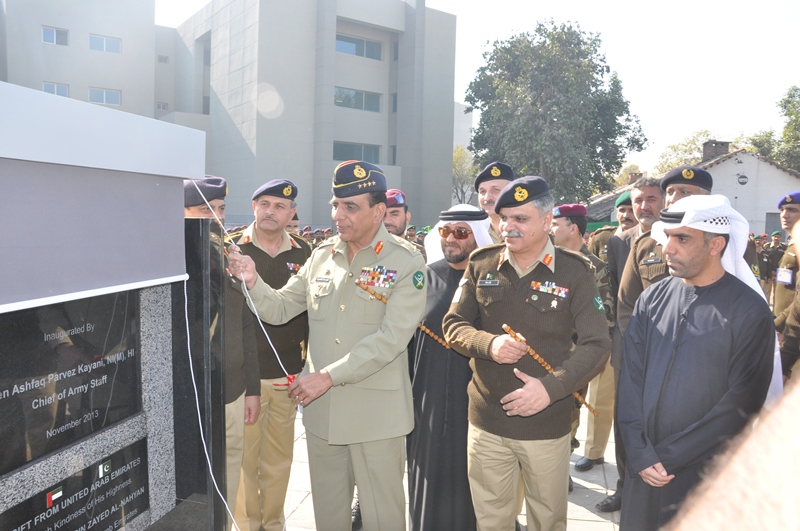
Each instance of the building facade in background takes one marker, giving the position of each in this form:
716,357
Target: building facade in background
283,88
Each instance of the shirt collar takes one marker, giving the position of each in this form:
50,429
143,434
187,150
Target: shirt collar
375,246
546,257
249,236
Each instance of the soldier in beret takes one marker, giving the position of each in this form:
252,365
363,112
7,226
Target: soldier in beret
293,226
786,272
569,223
397,214
598,244
489,183
519,414
269,443
242,402
355,389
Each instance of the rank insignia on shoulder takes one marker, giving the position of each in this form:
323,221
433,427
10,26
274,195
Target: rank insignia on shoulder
378,247
378,276
648,261
293,268
487,282
551,288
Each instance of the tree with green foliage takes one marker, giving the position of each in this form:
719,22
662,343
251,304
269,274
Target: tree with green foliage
624,176
464,172
788,151
688,152
550,107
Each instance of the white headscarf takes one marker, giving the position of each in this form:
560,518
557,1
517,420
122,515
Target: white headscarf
714,213
480,229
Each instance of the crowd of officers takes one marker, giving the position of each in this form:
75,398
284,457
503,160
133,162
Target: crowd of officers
332,347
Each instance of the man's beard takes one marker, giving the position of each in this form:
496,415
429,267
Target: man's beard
458,257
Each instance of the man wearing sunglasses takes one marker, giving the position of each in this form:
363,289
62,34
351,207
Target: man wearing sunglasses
438,487
519,413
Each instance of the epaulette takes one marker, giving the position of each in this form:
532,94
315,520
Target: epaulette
301,241
605,228
639,237
327,241
576,255
405,244
486,249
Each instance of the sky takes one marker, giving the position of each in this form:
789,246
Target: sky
685,65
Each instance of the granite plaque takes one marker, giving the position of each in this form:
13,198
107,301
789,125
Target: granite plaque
66,371
102,497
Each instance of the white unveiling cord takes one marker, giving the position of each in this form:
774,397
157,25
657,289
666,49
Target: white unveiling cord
197,405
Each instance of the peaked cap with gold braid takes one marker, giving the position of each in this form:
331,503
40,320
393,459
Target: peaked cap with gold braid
492,171
356,177
282,188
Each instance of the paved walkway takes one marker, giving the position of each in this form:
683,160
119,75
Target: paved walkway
590,488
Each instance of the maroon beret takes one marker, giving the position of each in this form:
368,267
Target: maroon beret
573,209
395,197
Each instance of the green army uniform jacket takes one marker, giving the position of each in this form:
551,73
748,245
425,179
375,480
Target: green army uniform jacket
645,266
555,298
602,280
358,339
598,245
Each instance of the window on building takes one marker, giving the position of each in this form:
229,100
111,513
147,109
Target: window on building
105,96
359,47
161,106
105,44
56,88
206,104
55,36
356,99
348,151
393,155
163,59
394,102
396,47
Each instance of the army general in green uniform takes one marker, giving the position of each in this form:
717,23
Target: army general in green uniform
355,388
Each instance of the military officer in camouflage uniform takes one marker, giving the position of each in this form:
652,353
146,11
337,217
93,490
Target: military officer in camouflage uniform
489,183
569,223
355,388
598,245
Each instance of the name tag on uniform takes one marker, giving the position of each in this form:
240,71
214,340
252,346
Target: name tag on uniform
604,251
485,283
784,276
648,261
322,279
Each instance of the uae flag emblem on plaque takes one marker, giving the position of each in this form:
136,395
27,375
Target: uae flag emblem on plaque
52,496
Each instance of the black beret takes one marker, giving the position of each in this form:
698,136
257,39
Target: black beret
688,175
494,170
211,188
794,197
356,177
521,191
277,188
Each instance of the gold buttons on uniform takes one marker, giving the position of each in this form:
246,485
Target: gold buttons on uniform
535,297
337,341
342,307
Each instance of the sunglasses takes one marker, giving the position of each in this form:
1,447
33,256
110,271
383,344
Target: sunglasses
458,233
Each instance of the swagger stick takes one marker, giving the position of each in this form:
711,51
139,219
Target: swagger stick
384,300
546,365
